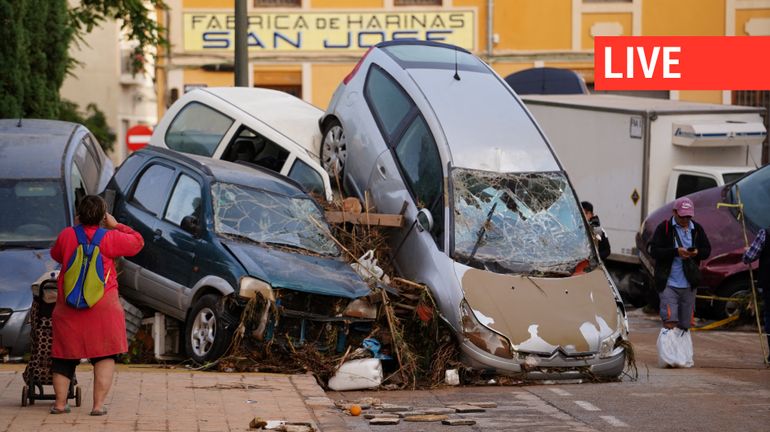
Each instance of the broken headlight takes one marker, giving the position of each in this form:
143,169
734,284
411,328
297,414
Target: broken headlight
250,287
609,345
481,336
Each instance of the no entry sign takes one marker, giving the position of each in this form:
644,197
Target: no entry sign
138,136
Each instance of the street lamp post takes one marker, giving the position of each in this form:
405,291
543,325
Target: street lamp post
241,45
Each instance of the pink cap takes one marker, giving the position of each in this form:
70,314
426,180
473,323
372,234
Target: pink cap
684,207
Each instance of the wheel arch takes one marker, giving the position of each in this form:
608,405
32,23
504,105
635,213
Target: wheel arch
327,120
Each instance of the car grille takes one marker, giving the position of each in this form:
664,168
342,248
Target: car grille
5,315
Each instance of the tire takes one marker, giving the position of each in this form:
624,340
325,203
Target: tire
24,395
735,288
206,333
334,149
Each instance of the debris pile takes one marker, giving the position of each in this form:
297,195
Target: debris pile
379,413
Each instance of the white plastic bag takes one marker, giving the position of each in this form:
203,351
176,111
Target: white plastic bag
367,266
675,348
357,375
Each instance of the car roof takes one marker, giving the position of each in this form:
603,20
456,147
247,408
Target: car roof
34,148
287,114
229,172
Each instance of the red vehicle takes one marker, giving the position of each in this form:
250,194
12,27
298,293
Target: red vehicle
724,273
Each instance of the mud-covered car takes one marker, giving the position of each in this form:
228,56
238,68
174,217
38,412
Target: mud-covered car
218,234
46,166
724,273
493,227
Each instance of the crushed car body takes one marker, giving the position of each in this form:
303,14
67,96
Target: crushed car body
493,226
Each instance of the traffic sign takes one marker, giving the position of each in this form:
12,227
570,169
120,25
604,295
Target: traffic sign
138,136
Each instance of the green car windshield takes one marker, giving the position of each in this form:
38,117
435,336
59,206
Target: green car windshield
527,223
270,218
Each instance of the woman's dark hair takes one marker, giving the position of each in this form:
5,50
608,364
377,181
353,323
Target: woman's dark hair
91,210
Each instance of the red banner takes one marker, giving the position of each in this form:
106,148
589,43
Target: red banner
682,63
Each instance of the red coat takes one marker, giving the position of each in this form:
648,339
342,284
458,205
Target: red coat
101,330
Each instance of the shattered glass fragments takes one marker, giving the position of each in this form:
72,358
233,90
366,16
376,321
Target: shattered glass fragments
526,223
270,218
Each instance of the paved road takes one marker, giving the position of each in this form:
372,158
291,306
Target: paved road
728,390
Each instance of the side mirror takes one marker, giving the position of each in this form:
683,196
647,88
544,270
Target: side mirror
190,224
424,220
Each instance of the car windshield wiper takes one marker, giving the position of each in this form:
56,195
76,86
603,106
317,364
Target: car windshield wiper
482,231
23,245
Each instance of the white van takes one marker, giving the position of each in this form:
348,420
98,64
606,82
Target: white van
264,127
494,227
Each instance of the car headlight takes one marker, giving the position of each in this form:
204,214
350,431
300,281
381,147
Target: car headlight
609,344
250,287
481,336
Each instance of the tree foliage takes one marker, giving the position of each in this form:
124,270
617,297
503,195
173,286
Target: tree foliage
93,118
36,37
135,18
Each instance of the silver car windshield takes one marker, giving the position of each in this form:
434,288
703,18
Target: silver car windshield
33,211
270,218
526,223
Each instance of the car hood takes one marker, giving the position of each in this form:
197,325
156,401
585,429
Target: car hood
544,314
19,269
312,274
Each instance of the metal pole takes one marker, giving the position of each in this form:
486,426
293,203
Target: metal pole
241,45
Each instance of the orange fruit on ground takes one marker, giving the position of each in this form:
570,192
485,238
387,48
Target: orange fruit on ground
355,410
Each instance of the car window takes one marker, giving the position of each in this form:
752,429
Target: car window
387,100
197,129
185,200
249,146
33,210
150,192
421,166
77,185
687,184
307,177
90,167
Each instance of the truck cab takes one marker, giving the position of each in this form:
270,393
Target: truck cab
687,179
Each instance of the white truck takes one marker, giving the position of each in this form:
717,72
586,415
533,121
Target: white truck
631,155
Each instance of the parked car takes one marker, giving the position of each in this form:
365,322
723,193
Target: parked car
218,233
45,168
724,274
266,127
500,238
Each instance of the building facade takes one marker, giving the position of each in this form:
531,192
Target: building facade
103,77
306,47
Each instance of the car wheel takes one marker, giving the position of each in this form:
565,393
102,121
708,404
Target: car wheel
24,395
334,148
738,289
206,336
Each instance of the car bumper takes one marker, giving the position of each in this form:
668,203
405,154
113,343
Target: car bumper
536,367
15,334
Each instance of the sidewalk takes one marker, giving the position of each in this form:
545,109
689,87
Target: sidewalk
153,399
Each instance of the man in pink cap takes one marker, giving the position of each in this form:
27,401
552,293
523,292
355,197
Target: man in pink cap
678,246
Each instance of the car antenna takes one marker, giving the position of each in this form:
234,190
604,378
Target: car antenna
457,75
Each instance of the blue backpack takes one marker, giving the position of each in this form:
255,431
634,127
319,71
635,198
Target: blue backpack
84,279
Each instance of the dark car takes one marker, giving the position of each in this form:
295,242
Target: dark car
45,167
218,234
724,274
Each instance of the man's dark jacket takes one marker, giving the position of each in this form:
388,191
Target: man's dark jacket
663,250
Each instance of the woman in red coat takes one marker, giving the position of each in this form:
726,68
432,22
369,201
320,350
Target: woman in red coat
97,333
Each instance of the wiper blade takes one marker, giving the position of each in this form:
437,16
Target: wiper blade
482,231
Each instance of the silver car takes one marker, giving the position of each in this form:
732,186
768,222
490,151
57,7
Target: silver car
494,227
45,167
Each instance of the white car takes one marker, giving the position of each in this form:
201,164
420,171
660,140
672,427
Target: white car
263,127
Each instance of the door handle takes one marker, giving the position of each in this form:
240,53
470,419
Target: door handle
383,172
158,233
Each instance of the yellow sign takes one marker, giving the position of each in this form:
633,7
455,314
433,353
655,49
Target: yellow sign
328,31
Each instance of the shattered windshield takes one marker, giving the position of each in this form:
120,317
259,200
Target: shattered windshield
524,223
270,218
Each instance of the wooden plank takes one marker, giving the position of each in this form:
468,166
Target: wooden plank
379,219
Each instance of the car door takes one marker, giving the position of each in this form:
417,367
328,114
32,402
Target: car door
176,245
411,171
142,211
